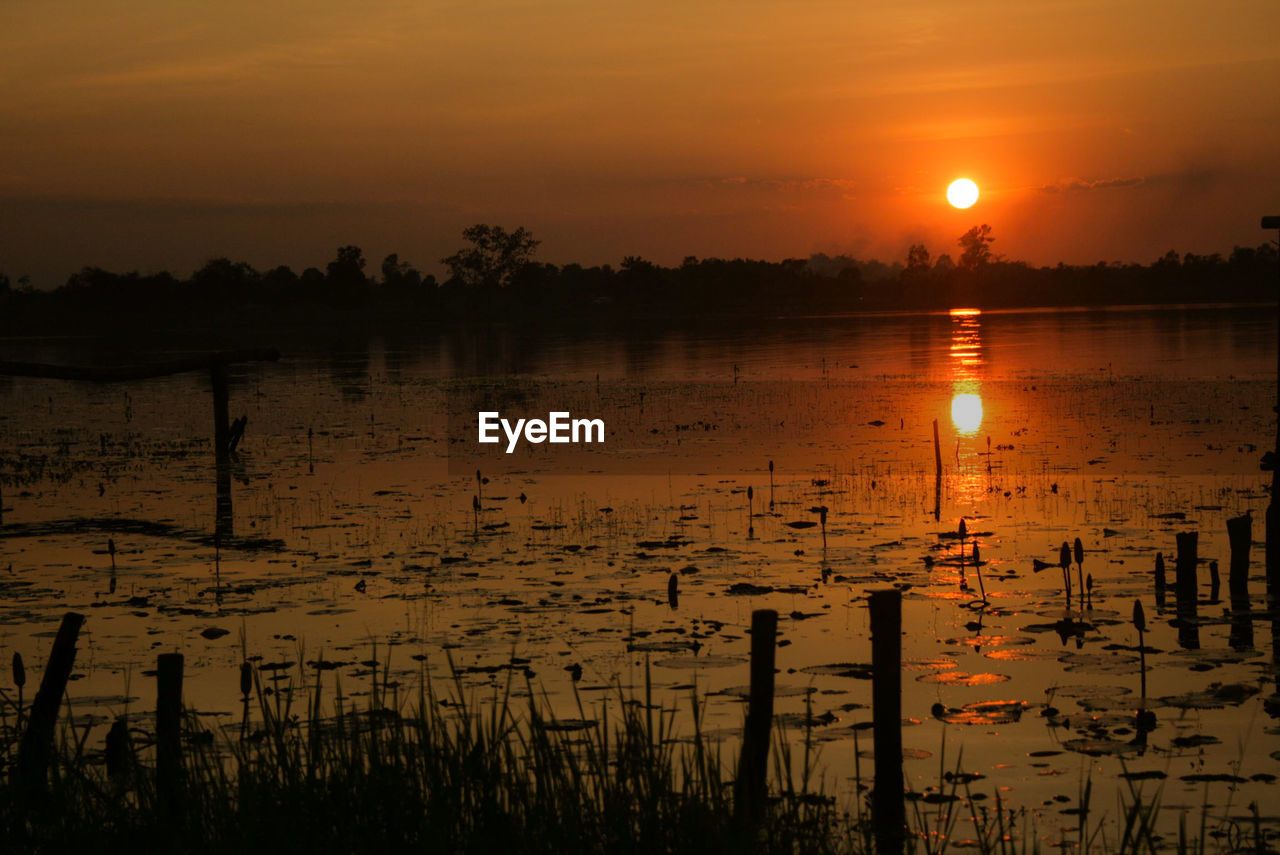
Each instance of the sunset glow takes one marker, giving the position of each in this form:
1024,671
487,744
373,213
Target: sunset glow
626,355
161,138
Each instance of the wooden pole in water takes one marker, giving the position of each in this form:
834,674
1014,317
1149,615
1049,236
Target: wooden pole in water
1271,460
223,516
887,801
753,765
221,402
1188,558
1161,582
1240,535
37,742
937,474
169,727
1140,624
937,451
1185,595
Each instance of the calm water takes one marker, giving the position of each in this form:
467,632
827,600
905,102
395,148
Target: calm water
1121,428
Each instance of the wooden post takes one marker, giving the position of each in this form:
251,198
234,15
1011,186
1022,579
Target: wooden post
1271,461
1240,534
223,516
753,766
1273,541
1188,558
169,727
937,451
937,474
221,402
887,803
37,742
1186,594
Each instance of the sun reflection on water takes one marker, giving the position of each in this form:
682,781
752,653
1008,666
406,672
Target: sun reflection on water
966,413
966,363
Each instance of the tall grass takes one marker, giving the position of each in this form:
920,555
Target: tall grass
441,772
445,770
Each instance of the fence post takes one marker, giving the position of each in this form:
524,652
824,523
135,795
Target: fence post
887,801
223,515
1186,594
37,742
753,766
1240,534
169,727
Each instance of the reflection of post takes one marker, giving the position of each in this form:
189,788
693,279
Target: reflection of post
1272,461
223,520
1241,622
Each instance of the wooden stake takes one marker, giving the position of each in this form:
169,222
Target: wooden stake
169,728
887,801
37,742
1186,593
1240,534
754,763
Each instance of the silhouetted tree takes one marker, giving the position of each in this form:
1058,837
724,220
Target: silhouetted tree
280,278
494,257
636,264
976,244
311,280
224,279
399,276
348,268
231,294
345,285
918,257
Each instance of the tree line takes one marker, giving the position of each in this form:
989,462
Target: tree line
495,276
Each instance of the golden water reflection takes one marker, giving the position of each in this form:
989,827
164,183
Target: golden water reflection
966,365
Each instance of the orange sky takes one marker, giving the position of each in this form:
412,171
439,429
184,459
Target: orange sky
158,133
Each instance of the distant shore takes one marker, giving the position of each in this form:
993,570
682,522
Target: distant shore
226,298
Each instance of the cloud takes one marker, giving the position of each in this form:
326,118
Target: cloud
787,185
1079,185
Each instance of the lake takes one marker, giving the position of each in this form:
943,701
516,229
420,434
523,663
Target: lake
357,532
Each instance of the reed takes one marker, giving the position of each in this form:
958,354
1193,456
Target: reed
441,772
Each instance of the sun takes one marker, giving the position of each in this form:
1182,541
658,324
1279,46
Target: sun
962,193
